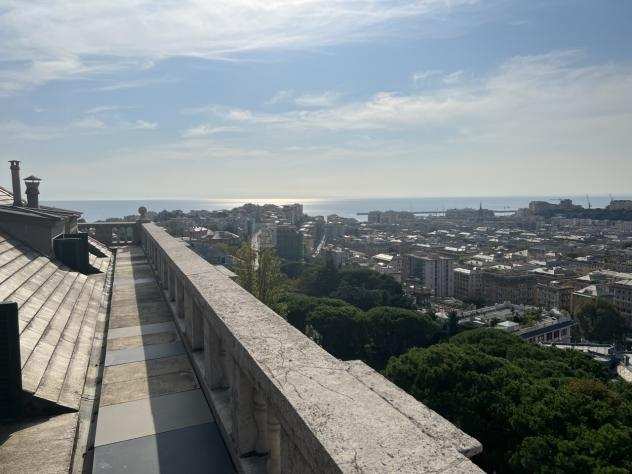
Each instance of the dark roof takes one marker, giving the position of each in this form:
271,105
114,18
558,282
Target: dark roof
44,212
58,309
6,201
6,197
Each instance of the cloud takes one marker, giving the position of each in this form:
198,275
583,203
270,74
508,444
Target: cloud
108,108
548,98
14,130
206,130
122,85
140,125
308,100
324,99
17,131
88,123
61,39
453,78
422,76
281,97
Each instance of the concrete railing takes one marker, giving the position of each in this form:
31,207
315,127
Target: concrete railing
112,233
284,404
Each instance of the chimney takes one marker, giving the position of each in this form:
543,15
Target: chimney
15,178
32,191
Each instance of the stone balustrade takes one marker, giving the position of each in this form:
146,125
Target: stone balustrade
284,404
112,233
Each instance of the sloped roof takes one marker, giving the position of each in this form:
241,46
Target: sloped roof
6,197
58,311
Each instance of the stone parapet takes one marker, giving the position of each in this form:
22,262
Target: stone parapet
282,402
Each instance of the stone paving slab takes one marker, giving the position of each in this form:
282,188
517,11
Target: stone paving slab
140,330
136,319
136,354
144,369
138,418
193,450
119,392
131,342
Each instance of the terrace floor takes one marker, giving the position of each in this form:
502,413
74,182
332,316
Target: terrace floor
152,416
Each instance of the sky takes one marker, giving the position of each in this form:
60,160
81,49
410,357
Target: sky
129,99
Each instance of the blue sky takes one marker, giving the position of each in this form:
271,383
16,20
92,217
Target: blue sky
317,98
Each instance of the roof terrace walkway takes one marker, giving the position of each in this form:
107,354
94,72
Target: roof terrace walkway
153,416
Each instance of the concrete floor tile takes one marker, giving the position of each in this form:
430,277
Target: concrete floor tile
124,356
198,449
137,389
140,330
149,416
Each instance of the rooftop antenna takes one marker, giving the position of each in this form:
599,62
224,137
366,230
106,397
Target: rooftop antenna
588,199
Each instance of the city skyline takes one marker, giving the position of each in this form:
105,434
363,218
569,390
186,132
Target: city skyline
320,99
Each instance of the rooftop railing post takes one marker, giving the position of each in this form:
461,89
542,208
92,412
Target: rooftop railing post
172,283
196,334
179,298
244,426
274,444
224,365
212,367
188,313
261,421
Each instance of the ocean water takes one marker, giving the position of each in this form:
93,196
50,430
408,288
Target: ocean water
102,209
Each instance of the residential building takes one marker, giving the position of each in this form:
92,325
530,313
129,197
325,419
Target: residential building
289,242
468,284
554,294
432,271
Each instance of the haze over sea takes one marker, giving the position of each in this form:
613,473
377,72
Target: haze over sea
94,210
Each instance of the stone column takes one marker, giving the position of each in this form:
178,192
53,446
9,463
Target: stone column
180,299
172,284
196,333
274,444
188,312
242,405
261,421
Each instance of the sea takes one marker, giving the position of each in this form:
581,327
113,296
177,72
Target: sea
94,210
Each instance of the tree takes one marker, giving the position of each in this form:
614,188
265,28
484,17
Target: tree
298,306
246,267
452,326
320,279
535,409
599,321
391,331
260,274
367,289
338,329
268,277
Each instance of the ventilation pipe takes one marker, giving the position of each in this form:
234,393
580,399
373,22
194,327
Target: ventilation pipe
15,178
32,191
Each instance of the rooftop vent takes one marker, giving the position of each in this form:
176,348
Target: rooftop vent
32,191
15,179
72,250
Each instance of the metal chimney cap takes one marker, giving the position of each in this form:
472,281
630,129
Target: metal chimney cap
32,178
